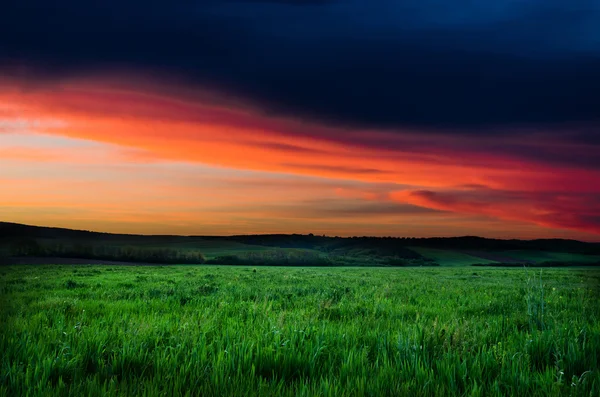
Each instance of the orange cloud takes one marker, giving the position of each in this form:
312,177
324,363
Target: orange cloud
142,122
172,129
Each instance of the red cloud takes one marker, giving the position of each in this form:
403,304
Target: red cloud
150,122
565,210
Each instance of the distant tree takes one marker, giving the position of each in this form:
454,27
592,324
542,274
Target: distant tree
26,247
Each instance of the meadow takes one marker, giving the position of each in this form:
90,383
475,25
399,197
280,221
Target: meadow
298,331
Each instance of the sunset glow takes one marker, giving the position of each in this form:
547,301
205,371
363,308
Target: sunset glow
115,153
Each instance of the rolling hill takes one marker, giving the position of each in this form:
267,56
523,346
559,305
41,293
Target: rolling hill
26,240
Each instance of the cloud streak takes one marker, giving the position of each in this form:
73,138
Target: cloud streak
550,209
461,174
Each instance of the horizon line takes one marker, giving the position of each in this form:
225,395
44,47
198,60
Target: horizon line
292,234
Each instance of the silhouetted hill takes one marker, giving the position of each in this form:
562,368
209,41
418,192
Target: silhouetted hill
357,246
16,230
480,243
393,243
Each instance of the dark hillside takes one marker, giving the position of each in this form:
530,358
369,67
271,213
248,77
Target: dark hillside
19,240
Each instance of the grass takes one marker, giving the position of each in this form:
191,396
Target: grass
210,248
223,330
450,258
545,256
447,257
188,253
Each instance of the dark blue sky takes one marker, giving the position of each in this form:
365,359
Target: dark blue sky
382,63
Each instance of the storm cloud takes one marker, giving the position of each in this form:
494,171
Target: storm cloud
370,64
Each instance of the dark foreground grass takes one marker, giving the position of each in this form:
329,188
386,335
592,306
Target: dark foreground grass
224,331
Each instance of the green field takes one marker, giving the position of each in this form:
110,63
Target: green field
221,331
210,248
542,256
449,257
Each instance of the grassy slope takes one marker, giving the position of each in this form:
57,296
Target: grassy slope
449,258
209,247
214,331
542,256
461,251
446,257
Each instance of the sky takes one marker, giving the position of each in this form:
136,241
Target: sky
358,117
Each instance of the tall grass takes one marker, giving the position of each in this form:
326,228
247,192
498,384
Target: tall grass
535,300
223,330
299,257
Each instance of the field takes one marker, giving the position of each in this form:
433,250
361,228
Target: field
449,257
210,248
223,330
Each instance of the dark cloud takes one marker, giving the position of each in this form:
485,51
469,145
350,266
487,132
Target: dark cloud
334,168
286,2
287,148
345,209
380,63
372,209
